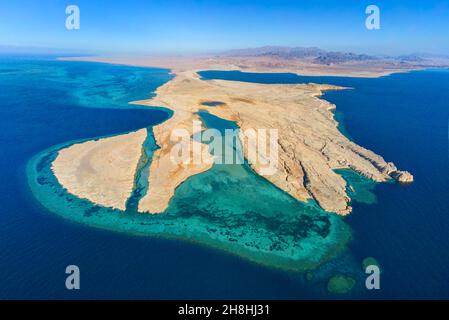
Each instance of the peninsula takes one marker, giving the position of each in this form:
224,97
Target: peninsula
311,147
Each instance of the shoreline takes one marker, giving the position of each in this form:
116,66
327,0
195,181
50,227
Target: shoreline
318,146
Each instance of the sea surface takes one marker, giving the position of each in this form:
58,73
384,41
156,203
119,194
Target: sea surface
47,104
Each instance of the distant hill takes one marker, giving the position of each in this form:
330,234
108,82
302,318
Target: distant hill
316,55
273,51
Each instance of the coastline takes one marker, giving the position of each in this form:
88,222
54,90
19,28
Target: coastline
174,225
311,146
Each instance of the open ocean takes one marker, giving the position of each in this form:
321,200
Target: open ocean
43,103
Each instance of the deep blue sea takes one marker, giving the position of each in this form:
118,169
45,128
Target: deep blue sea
44,102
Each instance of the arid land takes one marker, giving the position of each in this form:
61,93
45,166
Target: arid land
310,146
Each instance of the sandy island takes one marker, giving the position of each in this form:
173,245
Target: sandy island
310,145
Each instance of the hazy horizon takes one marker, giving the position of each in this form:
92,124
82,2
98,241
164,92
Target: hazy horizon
18,50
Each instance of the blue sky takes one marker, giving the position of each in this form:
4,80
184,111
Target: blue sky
210,25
